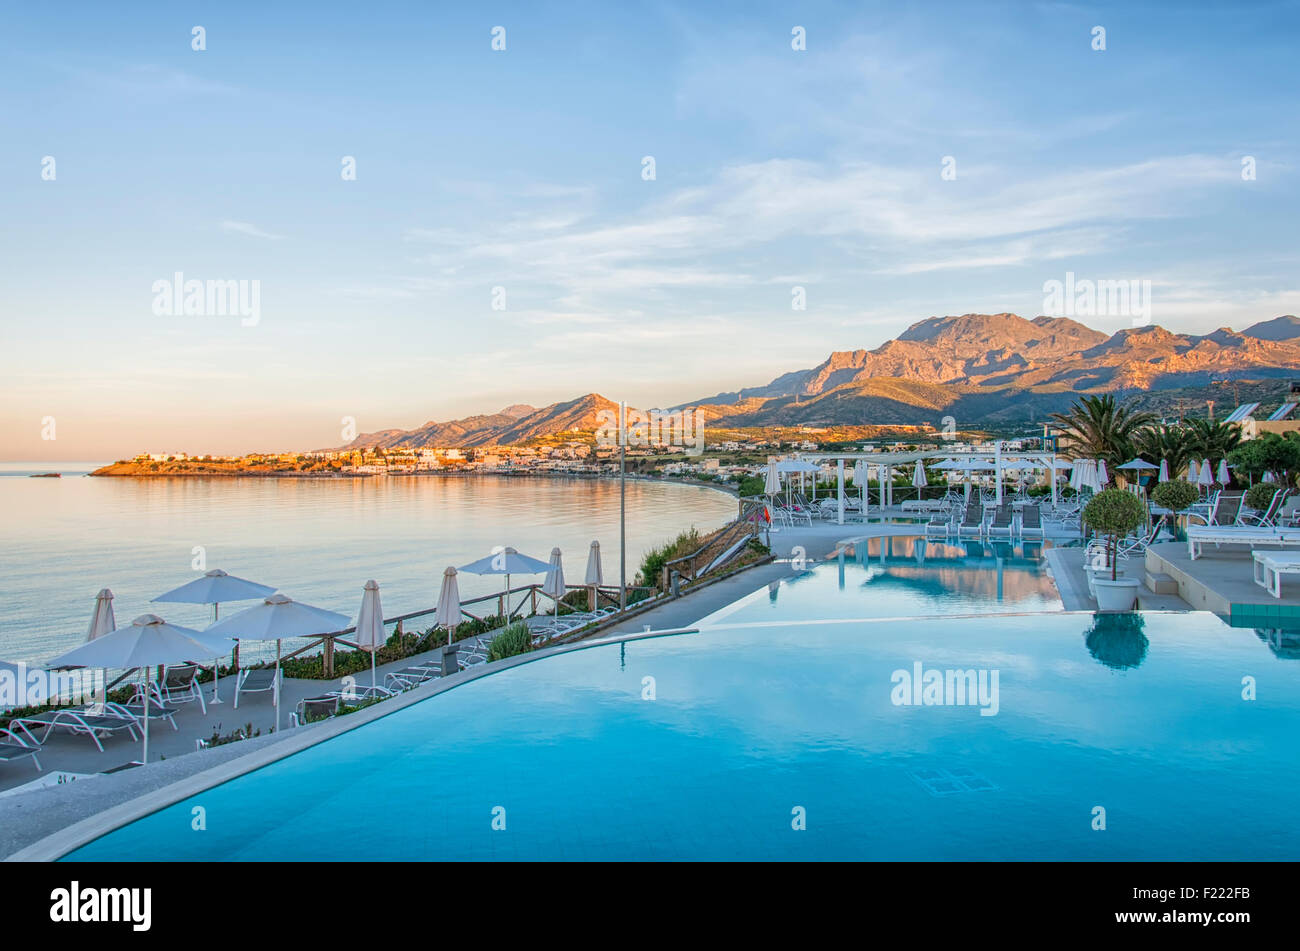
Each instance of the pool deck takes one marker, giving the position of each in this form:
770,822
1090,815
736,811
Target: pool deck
1222,580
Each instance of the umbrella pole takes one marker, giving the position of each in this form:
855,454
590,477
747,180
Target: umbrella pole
372,671
276,695
216,666
144,673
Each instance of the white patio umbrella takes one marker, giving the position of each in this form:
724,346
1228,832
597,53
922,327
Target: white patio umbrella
553,584
918,476
216,588
370,625
1102,476
507,561
1206,475
595,576
448,613
1268,477
772,483
276,618
101,622
1224,477
1138,463
146,642
1164,471
860,479
1193,474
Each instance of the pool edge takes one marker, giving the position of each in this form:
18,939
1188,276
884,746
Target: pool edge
56,845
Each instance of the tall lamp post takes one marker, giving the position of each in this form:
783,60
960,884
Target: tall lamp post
622,506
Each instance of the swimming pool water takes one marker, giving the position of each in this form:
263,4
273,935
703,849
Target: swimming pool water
905,577
1140,715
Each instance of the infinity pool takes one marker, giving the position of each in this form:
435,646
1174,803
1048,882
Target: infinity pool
717,744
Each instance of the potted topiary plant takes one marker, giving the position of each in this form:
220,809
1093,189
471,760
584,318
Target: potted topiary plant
1113,514
1176,495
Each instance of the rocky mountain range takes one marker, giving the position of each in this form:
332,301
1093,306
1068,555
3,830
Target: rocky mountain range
977,368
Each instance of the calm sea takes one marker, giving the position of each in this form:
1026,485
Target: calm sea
317,540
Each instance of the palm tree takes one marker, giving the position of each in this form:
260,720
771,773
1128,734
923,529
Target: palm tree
1164,442
1099,428
1207,439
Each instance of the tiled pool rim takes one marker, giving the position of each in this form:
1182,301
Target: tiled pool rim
58,844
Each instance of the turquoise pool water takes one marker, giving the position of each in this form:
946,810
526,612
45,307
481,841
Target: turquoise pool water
1141,716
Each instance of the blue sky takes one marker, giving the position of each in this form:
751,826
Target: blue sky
522,169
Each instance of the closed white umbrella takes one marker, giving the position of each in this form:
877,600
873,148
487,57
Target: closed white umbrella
553,584
507,561
772,484
860,479
276,618
1193,474
1224,476
146,642
1206,475
1164,470
101,623
1102,476
216,588
1268,477
370,625
918,476
595,576
448,613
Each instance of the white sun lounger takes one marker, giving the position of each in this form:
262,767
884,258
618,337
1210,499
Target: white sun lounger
1271,565
1198,535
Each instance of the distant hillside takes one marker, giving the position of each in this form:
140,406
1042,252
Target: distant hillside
977,368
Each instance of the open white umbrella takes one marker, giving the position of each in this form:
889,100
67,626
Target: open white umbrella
1164,471
595,576
276,618
144,643
448,613
553,584
1224,477
370,625
507,561
216,588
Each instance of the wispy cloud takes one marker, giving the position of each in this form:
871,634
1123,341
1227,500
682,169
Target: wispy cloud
252,230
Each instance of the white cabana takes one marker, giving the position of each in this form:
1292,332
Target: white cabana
370,625
553,583
506,561
275,619
595,575
448,613
146,642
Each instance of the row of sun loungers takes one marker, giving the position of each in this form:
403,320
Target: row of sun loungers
976,521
